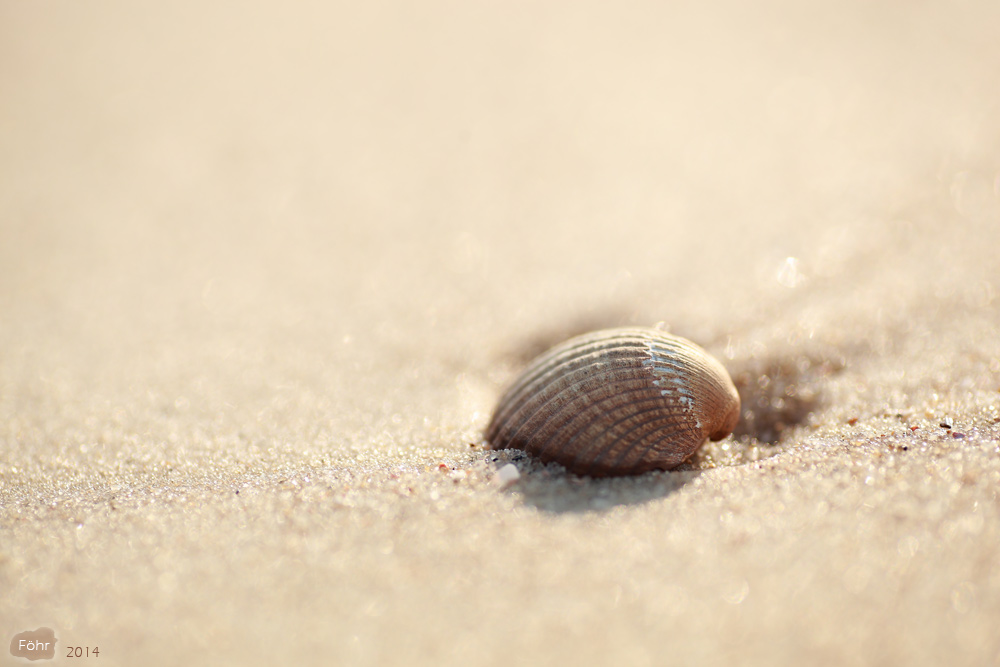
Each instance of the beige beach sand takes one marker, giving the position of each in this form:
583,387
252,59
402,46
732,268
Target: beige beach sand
266,267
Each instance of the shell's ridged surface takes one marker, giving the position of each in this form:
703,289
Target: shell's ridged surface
617,402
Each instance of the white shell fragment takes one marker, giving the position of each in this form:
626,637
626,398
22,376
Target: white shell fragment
617,402
508,474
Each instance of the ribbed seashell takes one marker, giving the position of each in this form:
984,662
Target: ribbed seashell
617,402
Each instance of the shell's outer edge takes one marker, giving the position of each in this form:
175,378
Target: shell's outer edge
701,383
616,401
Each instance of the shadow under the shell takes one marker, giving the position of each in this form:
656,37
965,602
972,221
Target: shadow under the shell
551,488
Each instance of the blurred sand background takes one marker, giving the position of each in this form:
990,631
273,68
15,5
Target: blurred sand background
265,268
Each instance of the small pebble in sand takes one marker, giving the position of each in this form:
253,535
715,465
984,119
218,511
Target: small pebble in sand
508,474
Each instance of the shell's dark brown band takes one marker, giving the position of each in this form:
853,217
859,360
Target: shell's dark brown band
552,401
595,376
660,449
585,366
562,406
682,440
586,421
573,354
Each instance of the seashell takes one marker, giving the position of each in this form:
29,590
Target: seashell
617,402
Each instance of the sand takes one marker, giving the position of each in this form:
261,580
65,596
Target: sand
265,270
